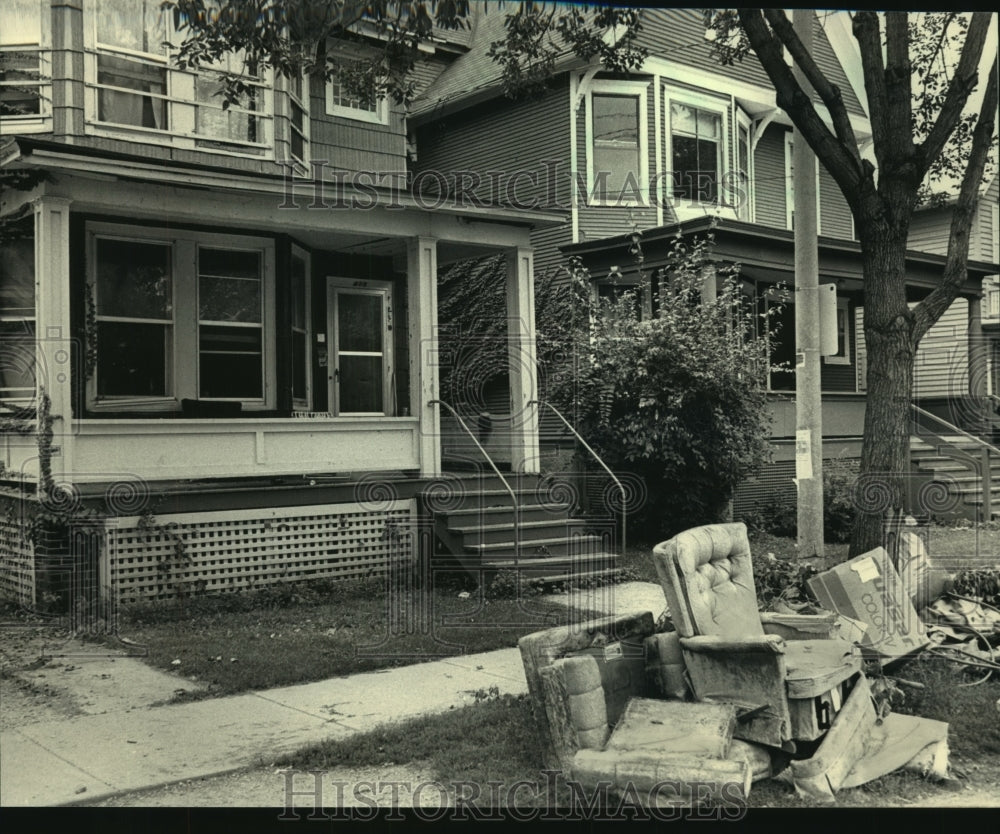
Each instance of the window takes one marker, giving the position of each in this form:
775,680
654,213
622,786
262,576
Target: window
843,354
790,189
696,152
340,103
298,118
17,322
617,159
739,192
179,317
301,319
132,86
25,67
993,302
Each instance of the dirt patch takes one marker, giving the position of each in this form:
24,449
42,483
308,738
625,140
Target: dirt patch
47,674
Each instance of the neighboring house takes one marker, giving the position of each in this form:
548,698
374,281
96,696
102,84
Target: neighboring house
238,367
661,150
959,358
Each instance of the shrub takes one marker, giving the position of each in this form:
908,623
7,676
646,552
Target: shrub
781,579
677,400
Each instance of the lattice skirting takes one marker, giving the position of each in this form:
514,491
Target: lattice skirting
239,550
17,562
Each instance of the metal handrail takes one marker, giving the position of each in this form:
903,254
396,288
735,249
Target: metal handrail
986,450
596,457
499,474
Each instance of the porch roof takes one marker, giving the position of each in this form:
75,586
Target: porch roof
97,162
764,252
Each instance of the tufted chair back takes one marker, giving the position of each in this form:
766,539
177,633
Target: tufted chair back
707,578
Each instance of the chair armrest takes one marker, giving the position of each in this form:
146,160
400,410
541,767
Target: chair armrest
772,643
800,626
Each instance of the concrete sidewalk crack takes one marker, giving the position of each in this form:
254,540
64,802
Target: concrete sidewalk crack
322,718
64,759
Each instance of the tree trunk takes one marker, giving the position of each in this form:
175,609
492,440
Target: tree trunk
888,327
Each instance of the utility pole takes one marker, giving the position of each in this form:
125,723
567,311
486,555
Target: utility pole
808,403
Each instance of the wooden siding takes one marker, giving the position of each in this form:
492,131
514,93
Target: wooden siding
941,367
505,136
836,220
547,242
679,35
769,178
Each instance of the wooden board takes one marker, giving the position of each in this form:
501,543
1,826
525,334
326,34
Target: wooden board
675,727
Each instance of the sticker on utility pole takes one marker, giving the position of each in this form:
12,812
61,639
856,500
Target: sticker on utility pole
803,455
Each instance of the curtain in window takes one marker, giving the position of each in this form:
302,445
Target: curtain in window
126,108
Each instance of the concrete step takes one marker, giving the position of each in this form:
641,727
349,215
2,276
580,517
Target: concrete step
551,528
557,568
485,498
473,516
582,545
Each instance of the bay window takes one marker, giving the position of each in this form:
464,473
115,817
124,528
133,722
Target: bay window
25,65
341,103
617,157
696,148
132,84
178,316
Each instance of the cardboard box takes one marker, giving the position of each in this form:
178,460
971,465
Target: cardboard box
869,589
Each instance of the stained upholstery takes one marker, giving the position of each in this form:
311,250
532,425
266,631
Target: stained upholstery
710,566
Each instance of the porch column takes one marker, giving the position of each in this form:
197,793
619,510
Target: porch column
55,352
421,283
521,360
978,365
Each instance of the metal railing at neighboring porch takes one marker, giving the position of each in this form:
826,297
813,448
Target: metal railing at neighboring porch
986,451
513,496
596,457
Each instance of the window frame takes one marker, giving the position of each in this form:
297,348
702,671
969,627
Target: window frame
380,116
744,122
298,403
721,107
180,96
844,324
23,318
609,87
301,101
183,369
40,122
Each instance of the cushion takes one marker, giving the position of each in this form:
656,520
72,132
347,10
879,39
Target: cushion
707,577
816,666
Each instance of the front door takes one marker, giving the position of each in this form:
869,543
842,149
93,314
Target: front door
359,328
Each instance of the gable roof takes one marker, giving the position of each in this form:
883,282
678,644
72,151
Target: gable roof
678,34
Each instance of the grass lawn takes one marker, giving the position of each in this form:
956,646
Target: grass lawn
295,635
449,748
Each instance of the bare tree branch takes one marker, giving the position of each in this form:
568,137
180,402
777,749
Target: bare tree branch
798,105
933,306
868,33
961,86
829,93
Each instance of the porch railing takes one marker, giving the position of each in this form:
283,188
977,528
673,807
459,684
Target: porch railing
596,457
986,452
513,496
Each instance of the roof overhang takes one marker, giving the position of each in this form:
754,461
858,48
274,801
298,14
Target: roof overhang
763,252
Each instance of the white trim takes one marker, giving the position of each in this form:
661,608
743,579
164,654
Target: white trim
844,304
995,222
790,190
625,89
574,114
744,121
658,142
182,372
302,102
717,105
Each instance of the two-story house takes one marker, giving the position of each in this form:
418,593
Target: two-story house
680,145
218,324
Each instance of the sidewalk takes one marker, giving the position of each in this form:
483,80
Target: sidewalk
82,759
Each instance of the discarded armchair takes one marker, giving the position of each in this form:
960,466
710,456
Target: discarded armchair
788,675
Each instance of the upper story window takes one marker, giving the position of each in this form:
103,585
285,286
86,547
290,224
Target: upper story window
843,354
179,316
738,188
617,157
133,87
25,65
298,118
340,103
993,302
696,154
17,321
